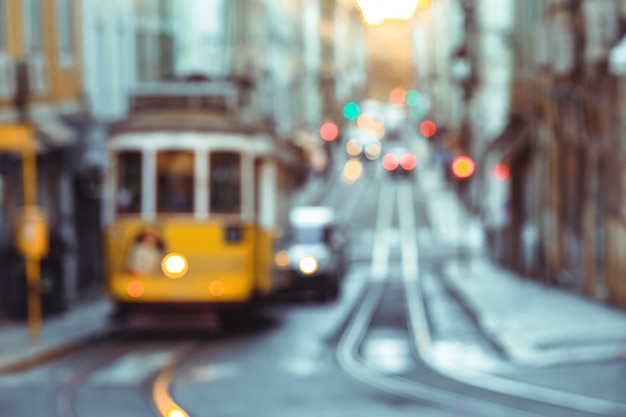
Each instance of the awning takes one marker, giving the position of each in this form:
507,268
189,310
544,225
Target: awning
43,133
17,138
53,131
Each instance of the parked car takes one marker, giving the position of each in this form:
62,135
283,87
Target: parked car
315,251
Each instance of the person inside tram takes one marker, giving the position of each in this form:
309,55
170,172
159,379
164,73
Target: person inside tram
146,254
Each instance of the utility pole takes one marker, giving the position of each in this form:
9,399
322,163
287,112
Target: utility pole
32,225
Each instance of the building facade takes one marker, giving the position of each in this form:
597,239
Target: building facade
552,178
40,85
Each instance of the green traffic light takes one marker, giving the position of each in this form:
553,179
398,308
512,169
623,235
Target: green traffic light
351,111
412,98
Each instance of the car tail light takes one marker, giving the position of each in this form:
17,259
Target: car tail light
390,162
408,161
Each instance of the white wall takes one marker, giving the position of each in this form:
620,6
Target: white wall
437,34
109,57
492,102
201,37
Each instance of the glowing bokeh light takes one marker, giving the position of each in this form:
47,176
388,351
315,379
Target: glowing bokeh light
351,111
353,148
390,162
408,161
501,172
372,151
308,265
428,128
397,96
135,289
174,265
217,288
365,121
352,171
463,167
281,259
329,131
412,98
176,412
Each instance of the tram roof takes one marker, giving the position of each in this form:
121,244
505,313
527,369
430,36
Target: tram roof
188,121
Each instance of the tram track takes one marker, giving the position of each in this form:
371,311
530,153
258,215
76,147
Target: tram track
151,391
425,383
65,398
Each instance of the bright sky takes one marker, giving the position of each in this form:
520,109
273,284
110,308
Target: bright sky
375,11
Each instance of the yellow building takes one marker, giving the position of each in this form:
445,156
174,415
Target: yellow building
40,48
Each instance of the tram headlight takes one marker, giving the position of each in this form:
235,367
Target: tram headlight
308,265
174,265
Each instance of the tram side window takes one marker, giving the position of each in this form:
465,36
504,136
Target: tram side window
225,177
175,182
128,183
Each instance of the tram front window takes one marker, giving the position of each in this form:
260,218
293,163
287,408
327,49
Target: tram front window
175,182
225,182
128,199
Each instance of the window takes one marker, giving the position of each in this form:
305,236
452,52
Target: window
128,198
33,22
175,182
308,235
225,174
65,31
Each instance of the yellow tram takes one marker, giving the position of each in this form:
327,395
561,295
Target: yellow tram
196,198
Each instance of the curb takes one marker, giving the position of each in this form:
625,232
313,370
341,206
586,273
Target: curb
468,308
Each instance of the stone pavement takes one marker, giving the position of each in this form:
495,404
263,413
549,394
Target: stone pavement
533,323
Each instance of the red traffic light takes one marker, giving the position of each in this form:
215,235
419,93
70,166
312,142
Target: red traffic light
329,131
463,167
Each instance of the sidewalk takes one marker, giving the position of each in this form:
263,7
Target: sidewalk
60,334
534,324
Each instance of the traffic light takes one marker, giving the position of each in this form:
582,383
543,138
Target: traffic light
351,111
463,167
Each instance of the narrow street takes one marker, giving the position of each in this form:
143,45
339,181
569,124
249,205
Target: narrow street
397,342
